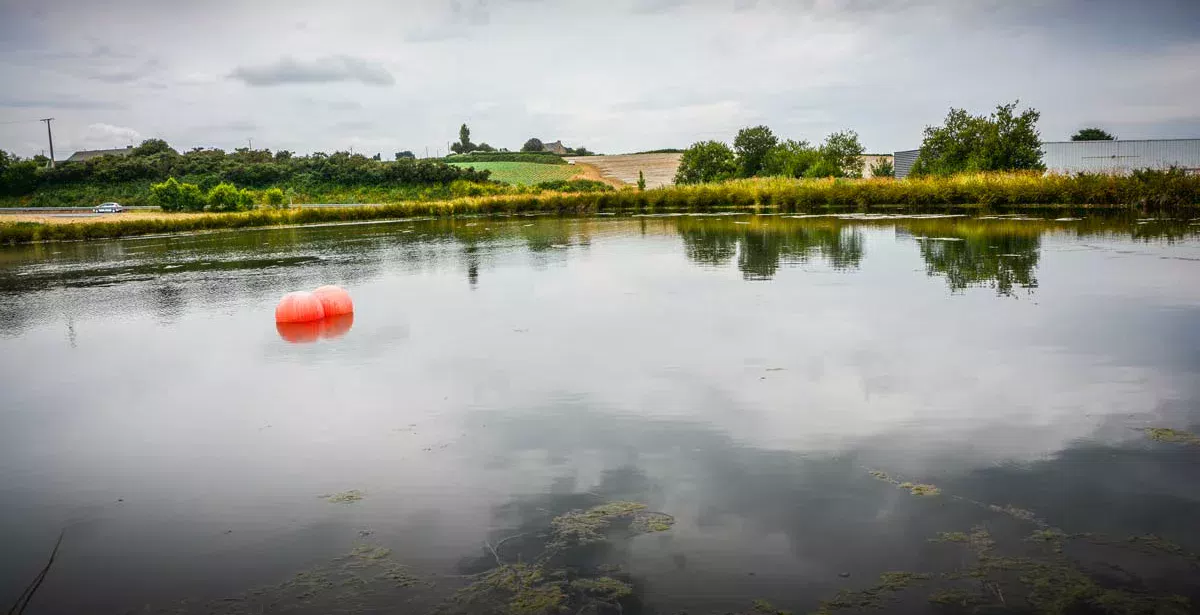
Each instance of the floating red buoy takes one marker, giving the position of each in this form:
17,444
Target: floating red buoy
334,327
335,300
299,307
300,332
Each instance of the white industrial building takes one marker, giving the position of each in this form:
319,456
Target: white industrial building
1114,157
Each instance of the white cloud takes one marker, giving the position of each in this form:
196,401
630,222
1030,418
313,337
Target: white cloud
104,136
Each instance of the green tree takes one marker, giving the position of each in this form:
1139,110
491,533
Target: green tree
1092,134
533,145
484,147
405,155
152,146
883,168
842,154
171,195
464,145
1004,141
790,159
752,145
706,161
641,181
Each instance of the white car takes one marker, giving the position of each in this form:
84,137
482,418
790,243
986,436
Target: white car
108,208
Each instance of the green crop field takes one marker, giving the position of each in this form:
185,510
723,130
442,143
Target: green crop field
527,173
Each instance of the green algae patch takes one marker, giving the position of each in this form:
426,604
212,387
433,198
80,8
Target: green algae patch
560,579
584,527
516,589
605,589
874,597
920,489
344,497
913,488
1173,436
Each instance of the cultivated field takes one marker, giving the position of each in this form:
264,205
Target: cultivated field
658,168
526,173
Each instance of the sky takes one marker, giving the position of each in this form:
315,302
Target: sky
614,76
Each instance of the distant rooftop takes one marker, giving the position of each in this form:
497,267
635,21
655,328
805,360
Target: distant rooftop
87,154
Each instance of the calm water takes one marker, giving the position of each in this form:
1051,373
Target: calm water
742,374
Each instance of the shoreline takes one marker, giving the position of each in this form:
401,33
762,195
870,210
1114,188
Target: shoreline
38,229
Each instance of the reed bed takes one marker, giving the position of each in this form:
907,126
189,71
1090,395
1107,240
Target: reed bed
1162,192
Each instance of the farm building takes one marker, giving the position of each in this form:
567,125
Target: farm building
84,155
557,147
1115,157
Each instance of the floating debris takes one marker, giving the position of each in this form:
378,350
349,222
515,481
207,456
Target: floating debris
920,489
913,488
1174,436
344,497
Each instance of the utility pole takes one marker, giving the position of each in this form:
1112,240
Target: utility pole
50,136
426,151
250,142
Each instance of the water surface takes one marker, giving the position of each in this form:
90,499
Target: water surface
744,375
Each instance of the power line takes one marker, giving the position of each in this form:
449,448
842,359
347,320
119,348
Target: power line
18,122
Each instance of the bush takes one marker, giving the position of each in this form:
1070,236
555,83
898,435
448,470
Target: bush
575,185
172,195
641,181
224,197
536,157
883,168
274,198
166,195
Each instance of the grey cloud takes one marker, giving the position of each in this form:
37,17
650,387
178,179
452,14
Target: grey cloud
329,69
65,102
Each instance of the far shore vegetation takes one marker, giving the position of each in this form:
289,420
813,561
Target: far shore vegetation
969,164
1170,193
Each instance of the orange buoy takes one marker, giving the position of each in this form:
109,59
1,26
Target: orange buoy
299,307
300,332
335,300
334,327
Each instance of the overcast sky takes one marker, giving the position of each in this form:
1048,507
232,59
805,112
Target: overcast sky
613,75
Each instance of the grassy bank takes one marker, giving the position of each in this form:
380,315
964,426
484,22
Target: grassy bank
1052,196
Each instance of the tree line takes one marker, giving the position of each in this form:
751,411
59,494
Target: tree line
757,152
155,160
533,145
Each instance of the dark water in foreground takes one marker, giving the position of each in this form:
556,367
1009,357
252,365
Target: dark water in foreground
742,375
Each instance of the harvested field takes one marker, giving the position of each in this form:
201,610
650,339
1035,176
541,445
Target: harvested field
658,168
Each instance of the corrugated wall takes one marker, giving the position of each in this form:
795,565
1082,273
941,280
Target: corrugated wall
903,162
1120,156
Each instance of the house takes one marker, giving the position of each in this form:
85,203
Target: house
87,154
1111,157
557,147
